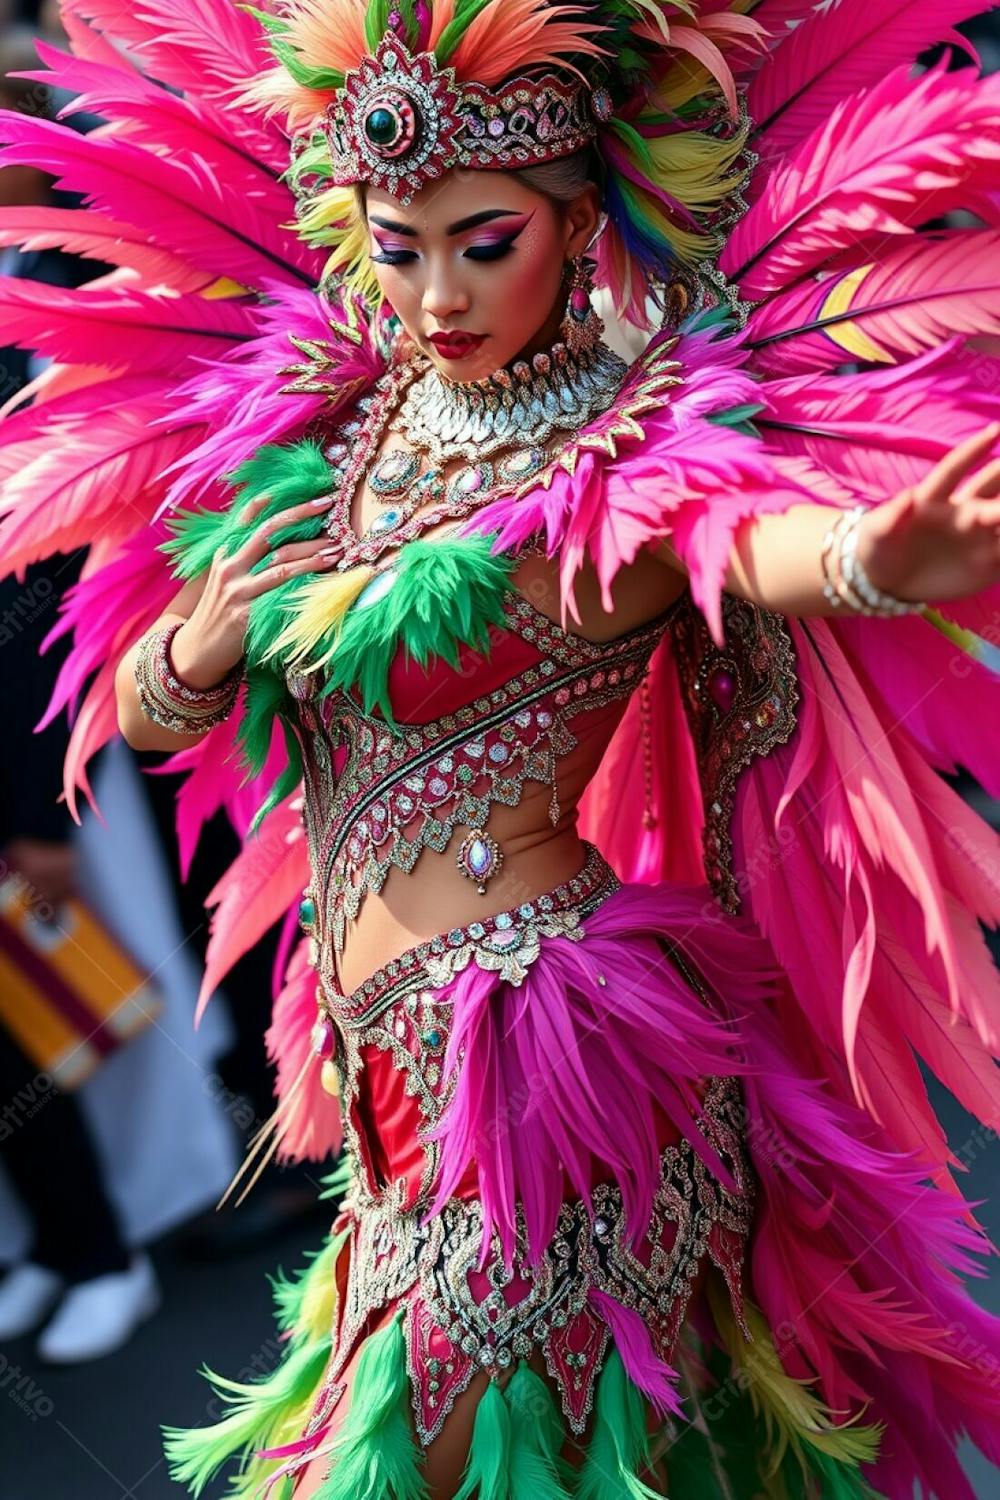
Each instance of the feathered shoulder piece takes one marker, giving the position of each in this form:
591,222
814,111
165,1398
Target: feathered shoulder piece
676,456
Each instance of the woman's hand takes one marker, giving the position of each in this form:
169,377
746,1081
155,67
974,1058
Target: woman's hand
939,539
210,642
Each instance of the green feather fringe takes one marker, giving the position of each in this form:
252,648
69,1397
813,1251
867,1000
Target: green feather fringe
446,593
487,1472
375,1455
619,1445
537,1434
290,473
338,1180
724,1451
194,1454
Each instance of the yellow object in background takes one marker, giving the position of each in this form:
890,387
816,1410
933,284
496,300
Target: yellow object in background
69,993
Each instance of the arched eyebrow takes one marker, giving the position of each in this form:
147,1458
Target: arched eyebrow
472,222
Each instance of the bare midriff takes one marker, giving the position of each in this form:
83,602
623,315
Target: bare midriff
435,896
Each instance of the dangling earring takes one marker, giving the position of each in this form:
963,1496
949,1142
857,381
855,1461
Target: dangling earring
581,328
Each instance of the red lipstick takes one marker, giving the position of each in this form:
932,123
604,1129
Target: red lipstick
456,344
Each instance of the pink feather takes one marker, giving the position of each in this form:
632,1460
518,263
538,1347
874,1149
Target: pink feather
644,1368
177,203
876,432
141,329
191,45
151,115
96,237
692,480
216,780
240,403
856,1258
852,818
267,876
310,1128
102,479
894,157
915,295
606,1088
106,611
834,53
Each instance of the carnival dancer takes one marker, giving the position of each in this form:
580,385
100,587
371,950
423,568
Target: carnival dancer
597,707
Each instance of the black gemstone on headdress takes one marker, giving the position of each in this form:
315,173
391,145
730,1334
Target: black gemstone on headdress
382,127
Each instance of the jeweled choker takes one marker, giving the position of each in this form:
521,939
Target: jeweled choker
520,405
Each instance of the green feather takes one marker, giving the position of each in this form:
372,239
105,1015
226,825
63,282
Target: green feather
537,1434
446,592
465,14
737,416
288,473
723,1452
376,22
375,1455
487,1470
619,1445
271,23
310,78
258,1408
825,1479
338,1181
289,1295
293,773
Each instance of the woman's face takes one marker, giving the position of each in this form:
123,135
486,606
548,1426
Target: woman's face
473,266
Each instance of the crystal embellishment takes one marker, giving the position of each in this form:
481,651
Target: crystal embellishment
479,857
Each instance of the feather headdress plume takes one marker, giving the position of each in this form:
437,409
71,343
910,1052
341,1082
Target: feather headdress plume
396,94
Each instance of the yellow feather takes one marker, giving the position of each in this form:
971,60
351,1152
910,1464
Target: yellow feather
847,334
321,605
794,1415
320,1300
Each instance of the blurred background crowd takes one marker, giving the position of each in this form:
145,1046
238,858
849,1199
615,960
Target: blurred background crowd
120,1125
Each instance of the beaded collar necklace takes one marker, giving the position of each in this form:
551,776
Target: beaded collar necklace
522,403
509,415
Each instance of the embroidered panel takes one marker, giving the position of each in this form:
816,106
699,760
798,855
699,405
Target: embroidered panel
463,1317
740,703
377,798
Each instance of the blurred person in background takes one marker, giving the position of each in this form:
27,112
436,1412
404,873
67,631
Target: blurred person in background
89,1179
78,1258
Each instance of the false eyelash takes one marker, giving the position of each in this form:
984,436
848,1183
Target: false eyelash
394,257
491,252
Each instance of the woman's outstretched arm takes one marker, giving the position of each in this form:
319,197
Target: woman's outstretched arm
938,540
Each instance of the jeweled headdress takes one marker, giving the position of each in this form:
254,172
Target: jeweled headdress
395,94
400,121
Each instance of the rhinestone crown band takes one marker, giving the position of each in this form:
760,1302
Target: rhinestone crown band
400,121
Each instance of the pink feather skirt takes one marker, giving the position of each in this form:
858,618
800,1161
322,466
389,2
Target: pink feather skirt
577,1146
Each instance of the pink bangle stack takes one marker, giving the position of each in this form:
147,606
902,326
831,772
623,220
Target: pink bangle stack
173,704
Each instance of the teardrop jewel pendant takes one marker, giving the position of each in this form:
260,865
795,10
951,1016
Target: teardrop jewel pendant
479,857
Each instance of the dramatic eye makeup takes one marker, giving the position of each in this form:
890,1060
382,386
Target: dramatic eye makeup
391,252
489,244
493,243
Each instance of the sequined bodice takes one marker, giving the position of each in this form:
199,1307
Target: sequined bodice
466,737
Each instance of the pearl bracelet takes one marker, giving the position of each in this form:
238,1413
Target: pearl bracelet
174,704
850,583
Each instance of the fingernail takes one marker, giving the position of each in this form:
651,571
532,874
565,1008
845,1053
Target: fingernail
322,500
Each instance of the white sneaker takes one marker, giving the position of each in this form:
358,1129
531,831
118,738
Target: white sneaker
28,1293
98,1316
